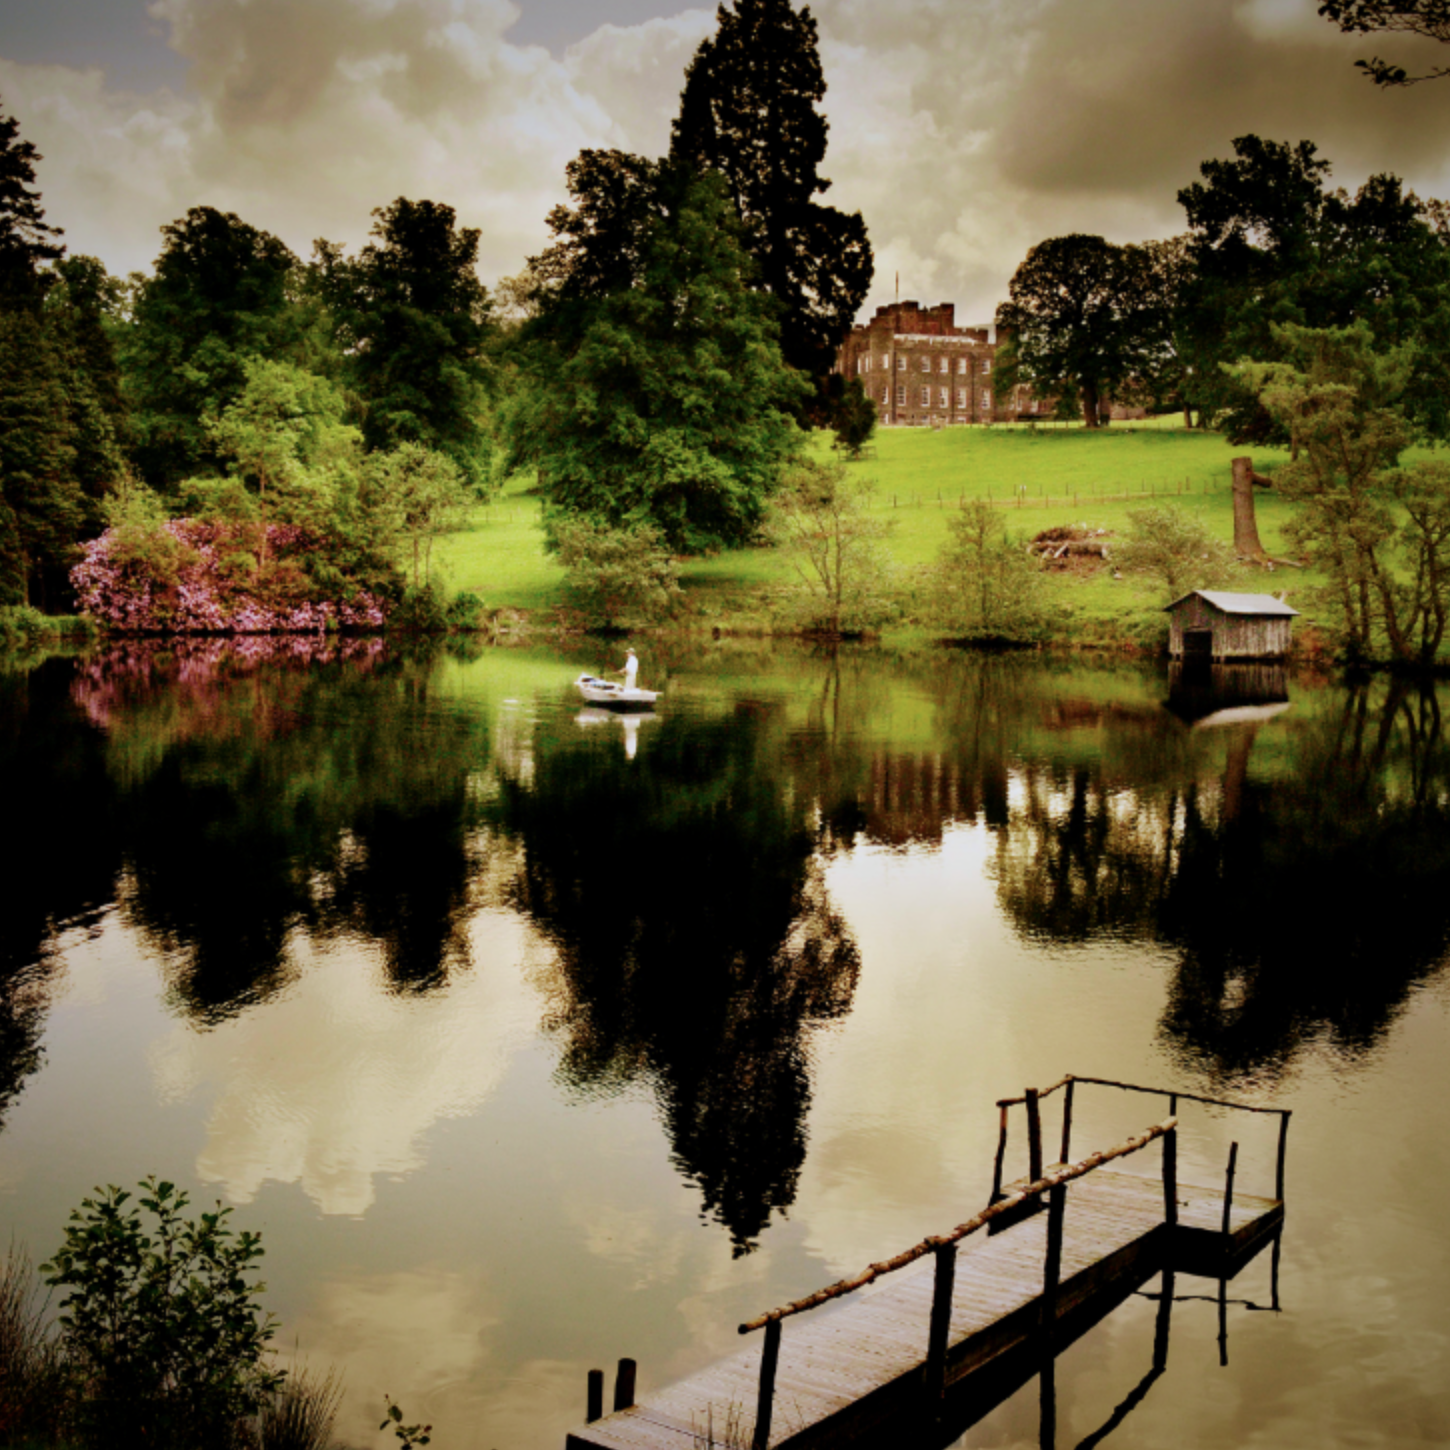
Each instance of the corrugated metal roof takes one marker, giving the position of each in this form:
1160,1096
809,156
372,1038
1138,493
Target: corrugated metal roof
1238,603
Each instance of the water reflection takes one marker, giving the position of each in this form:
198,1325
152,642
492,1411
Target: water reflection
696,944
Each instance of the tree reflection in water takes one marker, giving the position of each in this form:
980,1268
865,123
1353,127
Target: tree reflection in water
696,945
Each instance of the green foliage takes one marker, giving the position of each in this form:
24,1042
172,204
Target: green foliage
160,1325
1077,319
465,611
42,507
1175,548
408,1435
665,402
1381,532
219,296
853,418
31,1386
749,113
26,239
1273,246
415,496
822,522
414,322
985,585
616,577
1427,18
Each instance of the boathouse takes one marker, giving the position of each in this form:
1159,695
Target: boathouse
1209,624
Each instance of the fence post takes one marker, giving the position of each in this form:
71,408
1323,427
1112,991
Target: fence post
1283,1145
624,1385
1001,1155
1052,1264
941,1320
1067,1122
1228,1189
1170,1176
766,1401
595,1402
1034,1137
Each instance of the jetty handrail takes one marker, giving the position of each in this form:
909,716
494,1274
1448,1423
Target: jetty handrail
1048,1181
1133,1087
1062,1082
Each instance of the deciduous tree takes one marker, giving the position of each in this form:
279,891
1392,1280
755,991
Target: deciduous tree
1429,19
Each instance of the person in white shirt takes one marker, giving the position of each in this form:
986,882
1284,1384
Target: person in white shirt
630,670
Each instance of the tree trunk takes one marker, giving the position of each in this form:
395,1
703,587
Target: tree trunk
1090,416
1246,524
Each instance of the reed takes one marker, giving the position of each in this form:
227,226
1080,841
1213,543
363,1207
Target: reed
300,1416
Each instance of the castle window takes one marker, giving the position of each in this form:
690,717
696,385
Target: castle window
961,367
943,395
962,399
926,397
926,364
901,396
946,365
986,366
987,401
901,362
886,394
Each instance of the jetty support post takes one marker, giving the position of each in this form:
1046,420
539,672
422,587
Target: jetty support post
1034,1136
1001,1156
595,1400
1170,1175
1052,1263
1067,1122
1228,1190
765,1402
941,1320
1168,1286
1283,1147
624,1385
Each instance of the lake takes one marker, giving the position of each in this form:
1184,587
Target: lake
529,1036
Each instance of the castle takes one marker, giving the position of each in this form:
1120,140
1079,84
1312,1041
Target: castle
922,370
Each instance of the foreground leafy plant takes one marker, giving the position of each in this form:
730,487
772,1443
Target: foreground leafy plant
161,1331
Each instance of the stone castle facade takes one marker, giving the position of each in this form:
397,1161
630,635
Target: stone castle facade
921,370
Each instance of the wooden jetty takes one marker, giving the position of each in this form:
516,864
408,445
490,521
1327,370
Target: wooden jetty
968,1315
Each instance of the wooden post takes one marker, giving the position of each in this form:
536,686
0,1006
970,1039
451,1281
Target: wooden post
1052,1263
765,1402
941,1322
1170,1176
1067,1122
1001,1155
595,1407
1034,1137
1283,1146
1223,1323
1167,1287
624,1385
1228,1187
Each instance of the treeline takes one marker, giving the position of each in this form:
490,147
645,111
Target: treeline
1268,244
268,442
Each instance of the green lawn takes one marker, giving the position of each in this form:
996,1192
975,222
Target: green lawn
1039,477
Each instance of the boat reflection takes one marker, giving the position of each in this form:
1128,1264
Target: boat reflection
594,716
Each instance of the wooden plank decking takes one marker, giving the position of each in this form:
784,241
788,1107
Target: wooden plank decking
847,1369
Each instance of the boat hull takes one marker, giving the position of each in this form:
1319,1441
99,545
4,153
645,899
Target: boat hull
613,696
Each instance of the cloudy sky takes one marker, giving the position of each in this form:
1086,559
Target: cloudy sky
964,130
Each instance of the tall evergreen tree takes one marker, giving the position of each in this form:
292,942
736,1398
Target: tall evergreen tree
415,319
219,296
26,239
749,112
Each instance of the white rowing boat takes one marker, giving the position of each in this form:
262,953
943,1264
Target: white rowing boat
613,696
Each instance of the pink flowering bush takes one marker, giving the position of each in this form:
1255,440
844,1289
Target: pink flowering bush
221,578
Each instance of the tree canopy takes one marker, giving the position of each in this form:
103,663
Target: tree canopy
1427,18
26,238
666,401
749,111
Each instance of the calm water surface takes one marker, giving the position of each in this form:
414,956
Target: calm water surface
530,1037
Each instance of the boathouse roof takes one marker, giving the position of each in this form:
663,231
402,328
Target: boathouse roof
1237,603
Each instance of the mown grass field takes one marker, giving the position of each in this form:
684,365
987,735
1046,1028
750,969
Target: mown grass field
1038,477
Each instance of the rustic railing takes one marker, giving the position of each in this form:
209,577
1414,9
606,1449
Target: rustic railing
1032,1100
944,1246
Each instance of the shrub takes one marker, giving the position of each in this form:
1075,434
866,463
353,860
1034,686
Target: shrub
617,577
227,577
162,1336
421,610
986,586
1175,547
464,611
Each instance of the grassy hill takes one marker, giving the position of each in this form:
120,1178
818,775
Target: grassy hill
1039,477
